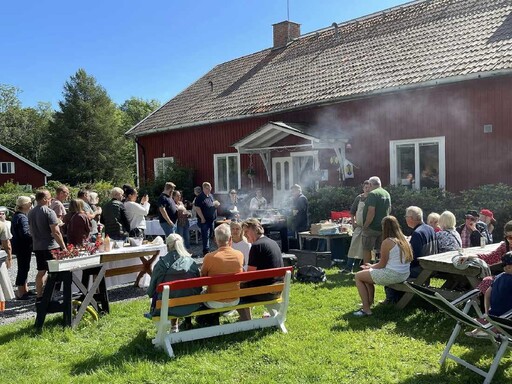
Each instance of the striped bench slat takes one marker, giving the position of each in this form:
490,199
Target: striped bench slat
225,309
219,296
223,279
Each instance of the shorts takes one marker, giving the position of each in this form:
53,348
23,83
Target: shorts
221,304
372,239
387,276
42,258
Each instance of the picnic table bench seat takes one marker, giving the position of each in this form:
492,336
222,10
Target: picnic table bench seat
276,307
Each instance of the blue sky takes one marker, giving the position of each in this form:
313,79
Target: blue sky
148,49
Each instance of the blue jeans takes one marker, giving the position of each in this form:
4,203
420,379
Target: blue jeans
351,263
185,233
168,229
206,230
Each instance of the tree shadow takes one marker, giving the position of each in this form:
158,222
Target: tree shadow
141,348
24,331
451,372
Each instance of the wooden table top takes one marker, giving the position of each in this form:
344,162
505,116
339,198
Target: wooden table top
308,234
442,262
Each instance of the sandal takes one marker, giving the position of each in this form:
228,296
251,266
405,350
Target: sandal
361,313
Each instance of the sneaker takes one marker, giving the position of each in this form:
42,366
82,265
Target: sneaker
361,313
24,297
230,313
265,315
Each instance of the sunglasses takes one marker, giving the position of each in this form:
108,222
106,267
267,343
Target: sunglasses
470,218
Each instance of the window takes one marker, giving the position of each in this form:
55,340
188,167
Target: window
418,163
226,172
7,167
162,165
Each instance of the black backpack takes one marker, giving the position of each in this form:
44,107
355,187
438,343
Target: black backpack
310,274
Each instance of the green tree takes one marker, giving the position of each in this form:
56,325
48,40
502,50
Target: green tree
86,142
134,110
9,97
21,129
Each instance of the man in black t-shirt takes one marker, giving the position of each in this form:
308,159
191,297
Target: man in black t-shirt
167,211
205,206
264,254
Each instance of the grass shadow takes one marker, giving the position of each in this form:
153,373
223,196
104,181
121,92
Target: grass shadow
27,330
448,373
140,348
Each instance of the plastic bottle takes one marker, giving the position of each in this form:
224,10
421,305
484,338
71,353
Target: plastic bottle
106,244
482,242
99,241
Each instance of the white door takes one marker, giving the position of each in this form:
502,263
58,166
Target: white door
282,180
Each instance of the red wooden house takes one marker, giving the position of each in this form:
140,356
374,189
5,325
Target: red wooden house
17,169
419,95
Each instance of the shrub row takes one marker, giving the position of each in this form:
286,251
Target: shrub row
497,198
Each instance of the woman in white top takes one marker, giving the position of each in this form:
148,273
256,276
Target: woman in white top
393,266
135,212
239,242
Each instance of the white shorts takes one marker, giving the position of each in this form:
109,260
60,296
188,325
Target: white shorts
221,304
387,276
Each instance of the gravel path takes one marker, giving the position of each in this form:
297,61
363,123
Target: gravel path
25,309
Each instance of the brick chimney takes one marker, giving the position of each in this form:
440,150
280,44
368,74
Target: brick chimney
284,32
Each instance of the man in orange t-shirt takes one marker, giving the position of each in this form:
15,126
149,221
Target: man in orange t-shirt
225,260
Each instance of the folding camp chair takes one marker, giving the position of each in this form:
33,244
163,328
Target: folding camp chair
500,341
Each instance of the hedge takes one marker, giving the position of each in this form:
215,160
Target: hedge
497,198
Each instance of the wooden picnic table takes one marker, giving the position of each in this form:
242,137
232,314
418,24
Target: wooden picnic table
440,266
121,263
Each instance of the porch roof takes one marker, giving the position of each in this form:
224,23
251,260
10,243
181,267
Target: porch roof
265,138
263,141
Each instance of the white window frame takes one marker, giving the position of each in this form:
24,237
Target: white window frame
10,168
393,144
156,171
216,172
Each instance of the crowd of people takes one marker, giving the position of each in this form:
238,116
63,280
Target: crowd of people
379,253
42,224
396,257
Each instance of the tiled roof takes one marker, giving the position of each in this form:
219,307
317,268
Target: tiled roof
412,45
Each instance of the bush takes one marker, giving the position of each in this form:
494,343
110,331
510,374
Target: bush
183,177
497,198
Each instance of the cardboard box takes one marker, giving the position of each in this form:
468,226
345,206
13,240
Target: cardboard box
318,259
319,228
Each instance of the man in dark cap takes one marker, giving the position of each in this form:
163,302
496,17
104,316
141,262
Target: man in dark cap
472,231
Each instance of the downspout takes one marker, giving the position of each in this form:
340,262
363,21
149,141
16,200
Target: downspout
144,180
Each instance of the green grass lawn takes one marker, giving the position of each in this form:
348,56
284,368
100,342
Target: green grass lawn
324,344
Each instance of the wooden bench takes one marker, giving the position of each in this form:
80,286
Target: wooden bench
277,307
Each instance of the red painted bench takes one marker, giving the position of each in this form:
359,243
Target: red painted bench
277,307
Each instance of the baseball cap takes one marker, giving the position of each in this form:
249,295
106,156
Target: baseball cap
472,213
488,213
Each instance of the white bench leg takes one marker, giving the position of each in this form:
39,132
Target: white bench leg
168,347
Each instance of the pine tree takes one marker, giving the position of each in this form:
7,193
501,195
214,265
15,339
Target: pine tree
86,141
